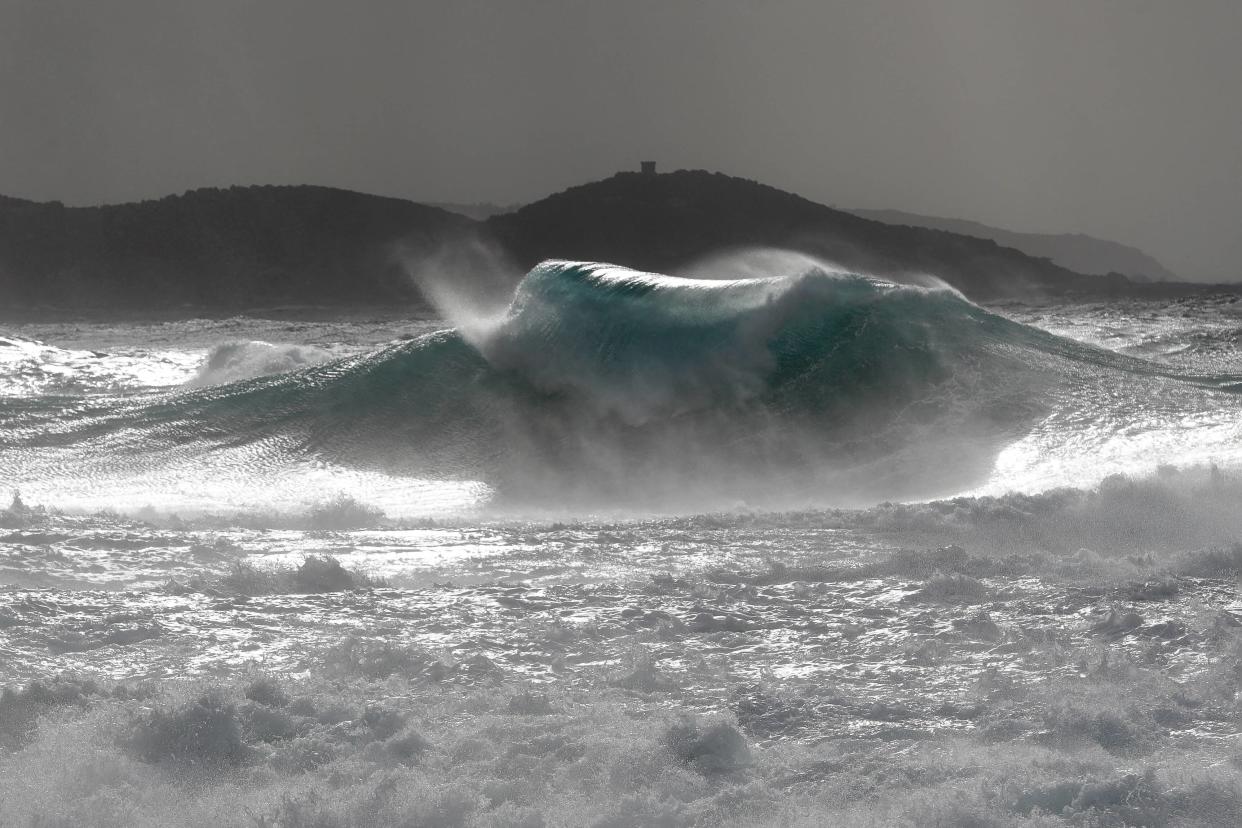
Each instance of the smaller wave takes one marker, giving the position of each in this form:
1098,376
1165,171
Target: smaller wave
247,359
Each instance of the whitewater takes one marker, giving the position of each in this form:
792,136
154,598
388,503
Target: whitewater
798,547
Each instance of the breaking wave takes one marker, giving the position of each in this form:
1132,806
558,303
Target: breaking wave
616,386
247,359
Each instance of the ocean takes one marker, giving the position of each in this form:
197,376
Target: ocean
805,549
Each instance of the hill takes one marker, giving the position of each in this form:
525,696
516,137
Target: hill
216,248
249,247
1074,251
662,222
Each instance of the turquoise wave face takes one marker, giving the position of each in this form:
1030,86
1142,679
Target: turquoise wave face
609,384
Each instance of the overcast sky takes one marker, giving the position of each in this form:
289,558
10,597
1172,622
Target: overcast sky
1119,119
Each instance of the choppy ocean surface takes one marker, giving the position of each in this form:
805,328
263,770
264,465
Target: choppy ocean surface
635,550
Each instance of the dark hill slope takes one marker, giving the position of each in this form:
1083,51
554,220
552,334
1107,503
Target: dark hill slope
1074,251
660,222
216,248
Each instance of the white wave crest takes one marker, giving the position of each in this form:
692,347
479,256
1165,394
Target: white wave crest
247,359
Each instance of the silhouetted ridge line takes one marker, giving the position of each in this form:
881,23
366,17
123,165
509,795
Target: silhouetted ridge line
247,247
1075,251
217,248
661,222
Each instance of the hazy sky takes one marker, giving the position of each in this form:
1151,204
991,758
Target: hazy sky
1119,119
